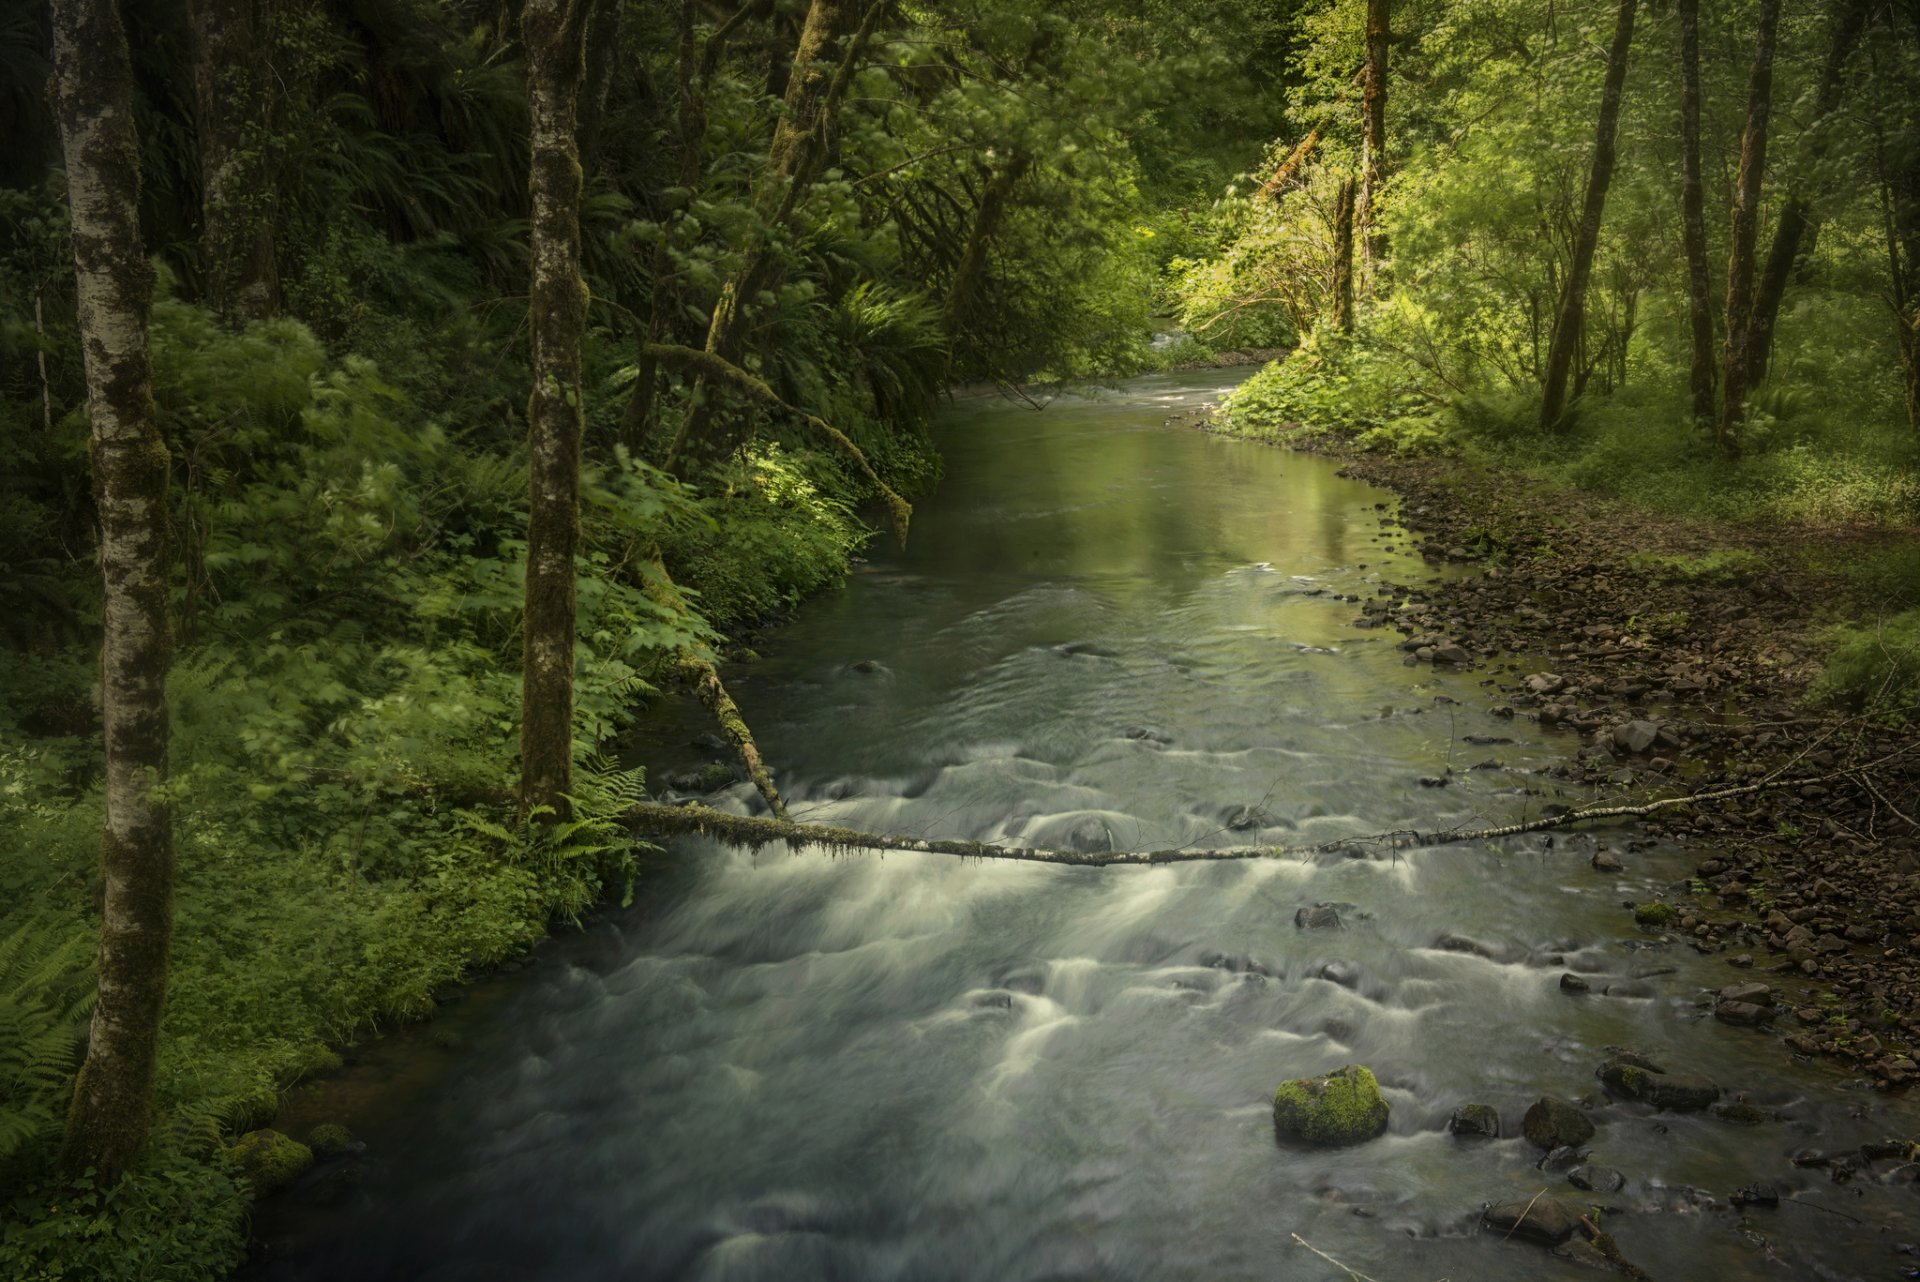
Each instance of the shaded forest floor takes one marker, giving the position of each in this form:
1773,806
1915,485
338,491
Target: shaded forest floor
1677,655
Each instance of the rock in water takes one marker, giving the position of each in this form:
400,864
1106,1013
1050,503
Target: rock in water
1596,1179
1635,736
1343,1107
1317,917
1543,1219
1553,1123
1474,1121
270,1160
1680,1092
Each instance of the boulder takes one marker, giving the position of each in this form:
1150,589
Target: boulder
1551,1220
1343,1107
1636,736
1753,994
1746,1013
1655,914
1572,983
701,779
1606,861
330,1139
1680,1092
1596,1179
270,1160
1553,1123
1317,917
1475,1121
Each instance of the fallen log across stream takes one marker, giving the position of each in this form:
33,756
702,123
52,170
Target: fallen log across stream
755,831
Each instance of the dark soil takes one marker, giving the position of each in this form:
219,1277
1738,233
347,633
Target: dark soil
1668,685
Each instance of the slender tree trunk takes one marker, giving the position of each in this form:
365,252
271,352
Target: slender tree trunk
1736,369
1569,323
596,87
986,225
230,121
1900,194
1343,257
1373,141
1693,218
1799,227
557,306
801,142
113,1099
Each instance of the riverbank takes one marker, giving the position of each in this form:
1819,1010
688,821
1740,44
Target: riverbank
1678,656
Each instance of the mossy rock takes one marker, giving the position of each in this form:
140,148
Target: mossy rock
702,779
1656,914
270,1160
330,1139
1341,1108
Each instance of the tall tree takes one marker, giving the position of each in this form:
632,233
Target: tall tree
1343,257
1798,227
1737,351
113,1099
1571,318
1373,139
1693,220
555,36
230,123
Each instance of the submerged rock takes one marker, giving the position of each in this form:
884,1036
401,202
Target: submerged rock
270,1160
1475,1121
1344,1107
1553,1123
1596,1179
330,1139
702,779
1317,917
1551,1220
1680,1092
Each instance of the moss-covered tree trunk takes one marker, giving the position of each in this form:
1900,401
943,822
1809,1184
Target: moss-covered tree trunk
1693,217
554,31
230,68
1343,257
987,221
1799,227
1570,320
113,1099
1373,140
831,41
1736,349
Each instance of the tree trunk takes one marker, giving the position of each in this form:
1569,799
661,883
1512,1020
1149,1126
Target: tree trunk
1900,191
113,1099
557,310
1343,257
1569,322
1373,141
1693,215
986,225
801,141
1736,371
601,51
1798,226
231,125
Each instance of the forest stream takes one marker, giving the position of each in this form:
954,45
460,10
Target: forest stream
806,1066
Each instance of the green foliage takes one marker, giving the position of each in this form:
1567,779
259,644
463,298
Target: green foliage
1874,668
46,993
1722,567
173,1218
1333,384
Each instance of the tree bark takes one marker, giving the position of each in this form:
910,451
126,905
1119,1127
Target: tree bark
113,1100
555,33
596,87
1693,219
1343,257
986,225
1570,321
231,126
1373,141
1799,227
1736,368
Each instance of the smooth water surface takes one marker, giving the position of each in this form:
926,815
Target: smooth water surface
801,1066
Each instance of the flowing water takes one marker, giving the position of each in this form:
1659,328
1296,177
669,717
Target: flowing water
805,1066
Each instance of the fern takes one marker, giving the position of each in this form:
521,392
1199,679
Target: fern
46,994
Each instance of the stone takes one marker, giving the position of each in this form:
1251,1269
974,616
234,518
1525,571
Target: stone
1680,1092
1564,1158
701,779
1462,944
1343,1107
270,1160
1475,1121
330,1139
1636,736
1553,1123
1756,1195
1596,1179
1581,1253
1546,683
1606,861
1740,1113
1655,914
1572,983
1317,917
1745,1013
1453,654
1541,1219
1246,818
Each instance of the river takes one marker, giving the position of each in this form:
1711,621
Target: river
916,1068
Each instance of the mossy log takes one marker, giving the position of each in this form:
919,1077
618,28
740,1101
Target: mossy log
701,675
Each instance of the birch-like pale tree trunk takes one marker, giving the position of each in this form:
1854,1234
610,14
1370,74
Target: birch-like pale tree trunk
230,124
1570,322
555,35
1693,217
1373,141
113,1099
1736,353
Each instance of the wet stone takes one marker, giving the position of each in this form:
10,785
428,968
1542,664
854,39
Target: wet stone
1756,1195
1744,1013
1606,861
1571,983
1475,1121
1679,1092
1551,1220
1596,1179
1317,917
1553,1123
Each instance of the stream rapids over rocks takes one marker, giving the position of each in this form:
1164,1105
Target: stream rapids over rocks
796,1066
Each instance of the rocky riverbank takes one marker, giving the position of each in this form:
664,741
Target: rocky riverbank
1676,658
